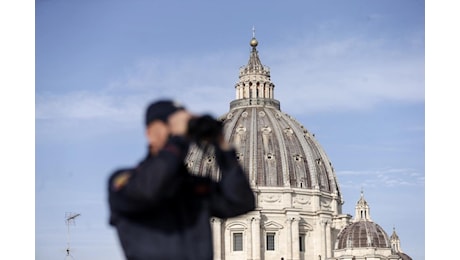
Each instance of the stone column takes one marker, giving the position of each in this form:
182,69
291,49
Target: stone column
295,238
289,235
323,238
249,240
328,239
217,238
255,228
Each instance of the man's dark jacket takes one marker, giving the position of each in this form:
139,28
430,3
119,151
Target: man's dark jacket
161,211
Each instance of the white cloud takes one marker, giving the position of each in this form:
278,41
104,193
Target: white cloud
349,74
390,177
84,105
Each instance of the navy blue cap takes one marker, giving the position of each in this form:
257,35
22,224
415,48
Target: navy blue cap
161,110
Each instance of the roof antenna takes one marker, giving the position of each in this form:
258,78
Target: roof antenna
69,219
253,31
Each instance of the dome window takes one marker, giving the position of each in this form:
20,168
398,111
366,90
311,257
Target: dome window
240,129
190,164
210,159
229,115
270,156
297,157
266,130
288,131
239,156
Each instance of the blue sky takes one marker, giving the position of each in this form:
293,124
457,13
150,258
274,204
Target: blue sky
352,72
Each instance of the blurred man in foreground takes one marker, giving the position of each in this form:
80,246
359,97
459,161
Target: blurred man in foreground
159,209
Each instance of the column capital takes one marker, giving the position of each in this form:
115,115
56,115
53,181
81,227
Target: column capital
254,218
325,222
216,220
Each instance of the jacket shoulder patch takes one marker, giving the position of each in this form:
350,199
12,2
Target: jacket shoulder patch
121,180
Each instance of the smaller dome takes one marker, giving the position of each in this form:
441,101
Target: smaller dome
362,234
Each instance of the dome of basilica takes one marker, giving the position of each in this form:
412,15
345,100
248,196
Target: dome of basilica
273,148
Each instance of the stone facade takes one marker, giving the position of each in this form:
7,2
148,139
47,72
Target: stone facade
292,216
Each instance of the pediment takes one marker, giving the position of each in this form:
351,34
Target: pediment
272,225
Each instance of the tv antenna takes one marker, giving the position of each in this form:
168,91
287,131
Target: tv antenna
69,220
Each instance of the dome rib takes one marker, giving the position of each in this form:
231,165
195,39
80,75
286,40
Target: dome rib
253,162
283,152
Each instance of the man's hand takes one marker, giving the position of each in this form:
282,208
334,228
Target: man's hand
223,144
178,122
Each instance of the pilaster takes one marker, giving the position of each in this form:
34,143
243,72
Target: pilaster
216,225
